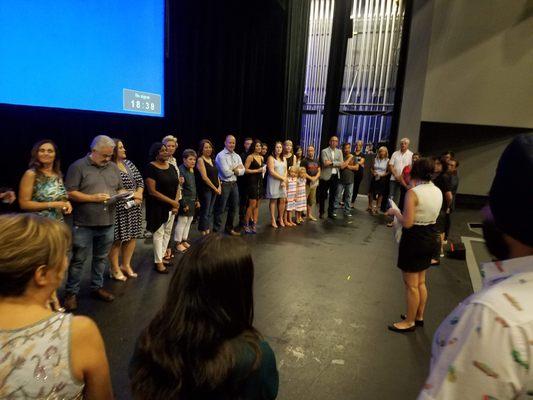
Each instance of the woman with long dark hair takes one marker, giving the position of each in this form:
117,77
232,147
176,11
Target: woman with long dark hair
41,188
276,188
128,218
208,184
253,168
202,343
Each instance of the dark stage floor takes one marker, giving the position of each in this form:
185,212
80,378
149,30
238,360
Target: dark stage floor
324,294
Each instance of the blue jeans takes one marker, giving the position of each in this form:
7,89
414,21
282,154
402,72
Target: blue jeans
394,191
228,202
90,247
344,193
207,203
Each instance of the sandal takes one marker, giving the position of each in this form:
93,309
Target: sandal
117,275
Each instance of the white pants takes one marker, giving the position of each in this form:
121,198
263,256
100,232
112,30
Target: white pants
161,237
181,232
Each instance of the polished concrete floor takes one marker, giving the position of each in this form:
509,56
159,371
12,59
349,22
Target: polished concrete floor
324,294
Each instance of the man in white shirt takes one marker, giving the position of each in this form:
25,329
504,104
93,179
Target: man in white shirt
229,165
483,349
398,161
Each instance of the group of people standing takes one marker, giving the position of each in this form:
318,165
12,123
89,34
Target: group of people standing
203,343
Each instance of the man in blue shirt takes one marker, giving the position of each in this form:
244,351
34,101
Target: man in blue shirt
230,166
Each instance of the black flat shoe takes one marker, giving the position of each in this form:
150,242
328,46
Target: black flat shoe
399,330
419,323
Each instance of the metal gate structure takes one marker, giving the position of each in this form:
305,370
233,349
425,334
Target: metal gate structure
370,72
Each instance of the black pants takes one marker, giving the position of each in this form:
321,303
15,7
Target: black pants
322,192
357,179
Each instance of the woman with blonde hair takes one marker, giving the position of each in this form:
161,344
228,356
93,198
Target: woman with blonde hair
379,182
48,354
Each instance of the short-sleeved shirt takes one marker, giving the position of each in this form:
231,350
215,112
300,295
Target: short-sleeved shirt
311,167
347,175
399,161
482,350
86,177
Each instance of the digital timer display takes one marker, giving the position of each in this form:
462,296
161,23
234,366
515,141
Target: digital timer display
142,102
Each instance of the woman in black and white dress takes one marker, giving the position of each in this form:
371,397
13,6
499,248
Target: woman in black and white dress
128,219
420,212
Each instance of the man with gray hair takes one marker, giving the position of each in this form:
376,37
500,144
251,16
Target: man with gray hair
398,161
91,182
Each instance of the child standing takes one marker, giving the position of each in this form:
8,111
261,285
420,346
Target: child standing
291,195
301,197
188,202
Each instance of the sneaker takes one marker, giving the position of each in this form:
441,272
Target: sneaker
348,215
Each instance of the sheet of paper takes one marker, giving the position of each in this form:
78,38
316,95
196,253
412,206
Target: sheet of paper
397,226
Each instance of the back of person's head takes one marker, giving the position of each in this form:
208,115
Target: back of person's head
423,169
189,348
504,232
29,242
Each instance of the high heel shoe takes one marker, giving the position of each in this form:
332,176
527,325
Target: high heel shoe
129,273
117,276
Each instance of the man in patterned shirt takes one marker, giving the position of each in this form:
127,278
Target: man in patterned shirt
484,348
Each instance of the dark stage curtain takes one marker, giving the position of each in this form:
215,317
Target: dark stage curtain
227,66
297,41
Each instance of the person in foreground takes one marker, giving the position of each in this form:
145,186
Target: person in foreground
421,209
202,343
482,350
44,354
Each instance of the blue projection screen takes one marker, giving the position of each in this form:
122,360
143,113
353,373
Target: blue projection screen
99,55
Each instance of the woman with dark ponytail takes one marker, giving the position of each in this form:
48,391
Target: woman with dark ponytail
202,344
421,208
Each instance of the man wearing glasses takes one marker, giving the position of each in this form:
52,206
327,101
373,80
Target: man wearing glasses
91,182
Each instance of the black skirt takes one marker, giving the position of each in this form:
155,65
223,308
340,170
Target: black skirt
417,246
379,187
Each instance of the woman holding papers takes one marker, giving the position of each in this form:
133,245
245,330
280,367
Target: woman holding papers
420,212
128,220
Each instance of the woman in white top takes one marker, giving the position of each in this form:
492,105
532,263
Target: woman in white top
276,189
43,354
420,212
379,182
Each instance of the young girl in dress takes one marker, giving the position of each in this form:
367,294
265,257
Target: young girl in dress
291,195
301,197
